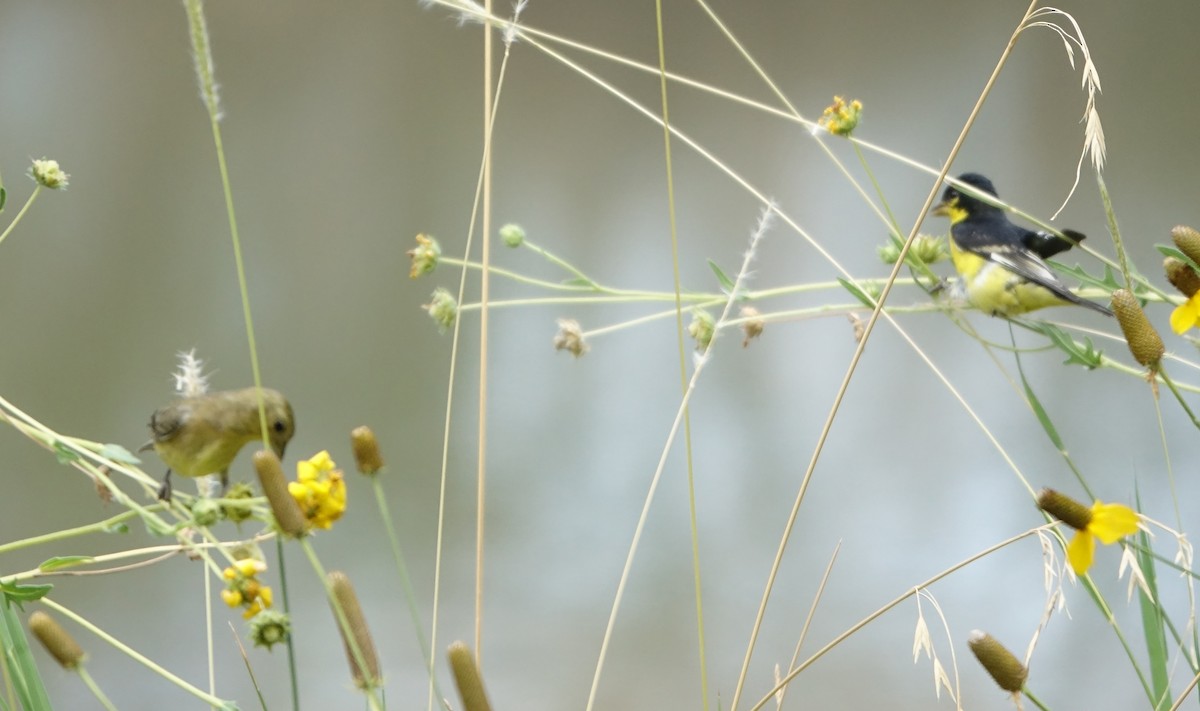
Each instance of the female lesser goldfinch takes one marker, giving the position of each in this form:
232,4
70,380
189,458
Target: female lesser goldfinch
1003,265
202,434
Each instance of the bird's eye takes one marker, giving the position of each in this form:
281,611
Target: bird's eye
280,427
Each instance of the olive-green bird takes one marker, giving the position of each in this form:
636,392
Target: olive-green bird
1003,265
201,435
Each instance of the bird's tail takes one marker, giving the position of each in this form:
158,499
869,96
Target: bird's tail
1101,308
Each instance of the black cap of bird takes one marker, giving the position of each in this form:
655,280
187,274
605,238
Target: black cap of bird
201,434
1003,265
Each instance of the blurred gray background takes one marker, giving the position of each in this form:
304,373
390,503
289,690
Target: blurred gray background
350,127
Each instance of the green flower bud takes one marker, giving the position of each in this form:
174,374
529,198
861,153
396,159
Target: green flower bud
512,234
424,256
237,502
205,512
270,627
47,174
702,328
442,308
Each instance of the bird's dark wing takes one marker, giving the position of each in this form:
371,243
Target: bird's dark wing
1046,245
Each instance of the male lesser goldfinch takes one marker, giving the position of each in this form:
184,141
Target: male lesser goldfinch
201,435
1003,265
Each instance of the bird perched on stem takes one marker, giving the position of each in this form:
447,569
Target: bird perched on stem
201,434
1003,265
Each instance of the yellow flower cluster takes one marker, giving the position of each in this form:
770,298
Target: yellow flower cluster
319,490
242,588
840,118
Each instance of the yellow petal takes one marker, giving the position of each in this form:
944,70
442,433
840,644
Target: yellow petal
1080,552
1112,522
1185,315
233,598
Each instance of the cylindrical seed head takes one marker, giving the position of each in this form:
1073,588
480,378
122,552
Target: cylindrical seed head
467,678
1181,276
287,512
1144,342
1187,239
366,450
347,600
1004,668
1065,509
55,639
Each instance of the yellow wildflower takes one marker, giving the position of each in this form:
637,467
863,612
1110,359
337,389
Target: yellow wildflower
1186,315
319,490
840,118
243,589
1108,522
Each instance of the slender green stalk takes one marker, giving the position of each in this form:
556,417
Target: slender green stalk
290,642
410,597
910,592
92,686
370,691
680,341
37,190
202,54
150,664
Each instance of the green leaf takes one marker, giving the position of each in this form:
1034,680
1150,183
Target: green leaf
64,561
1152,621
857,293
1107,282
1084,353
1168,251
117,453
3,198
17,593
727,284
65,454
1043,417
20,668
120,527
577,281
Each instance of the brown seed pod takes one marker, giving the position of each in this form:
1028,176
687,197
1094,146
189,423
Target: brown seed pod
346,598
287,512
57,641
1187,239
1144,342
1181,276
1004,668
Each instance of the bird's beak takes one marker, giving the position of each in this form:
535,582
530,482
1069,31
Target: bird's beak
279,449
942,209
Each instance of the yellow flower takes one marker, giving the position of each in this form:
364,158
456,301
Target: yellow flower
1186,315
319,490
1110,523
243,589
840,118
233,598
